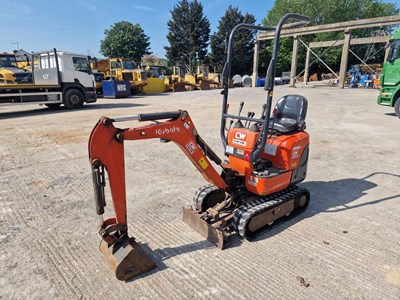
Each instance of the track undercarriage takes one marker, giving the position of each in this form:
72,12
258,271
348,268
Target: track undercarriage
243,213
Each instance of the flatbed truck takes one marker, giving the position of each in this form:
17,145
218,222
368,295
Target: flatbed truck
58,77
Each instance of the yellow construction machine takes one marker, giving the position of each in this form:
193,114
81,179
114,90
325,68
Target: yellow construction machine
121,69
155,80
10,72
176,82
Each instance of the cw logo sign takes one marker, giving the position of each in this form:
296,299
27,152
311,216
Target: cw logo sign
240,135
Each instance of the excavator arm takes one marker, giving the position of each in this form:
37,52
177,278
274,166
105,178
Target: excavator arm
106,153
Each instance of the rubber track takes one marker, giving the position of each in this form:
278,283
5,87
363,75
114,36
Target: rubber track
203,192
248,205
255,207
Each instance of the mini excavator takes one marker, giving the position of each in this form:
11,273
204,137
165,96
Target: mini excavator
266,157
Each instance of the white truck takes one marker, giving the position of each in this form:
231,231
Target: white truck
58,77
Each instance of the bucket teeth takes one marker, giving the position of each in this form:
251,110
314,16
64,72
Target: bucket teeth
126,258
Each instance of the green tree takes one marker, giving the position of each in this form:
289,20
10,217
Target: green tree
189,34
243,45
124,39
325,12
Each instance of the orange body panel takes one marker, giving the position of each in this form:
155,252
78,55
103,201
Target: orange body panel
283,151
265,186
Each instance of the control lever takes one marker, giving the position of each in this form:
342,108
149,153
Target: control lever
241,107
251,116
248,115
230,125
238,123
263,111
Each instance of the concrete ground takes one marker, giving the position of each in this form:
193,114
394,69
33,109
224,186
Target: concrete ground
345,246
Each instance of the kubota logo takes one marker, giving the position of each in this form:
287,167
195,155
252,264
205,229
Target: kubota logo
167,130
240,135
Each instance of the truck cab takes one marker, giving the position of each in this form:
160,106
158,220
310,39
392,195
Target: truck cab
389,93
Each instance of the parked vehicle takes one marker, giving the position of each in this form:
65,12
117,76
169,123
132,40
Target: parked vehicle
389,94
58,78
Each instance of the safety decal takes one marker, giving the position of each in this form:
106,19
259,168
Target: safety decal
270,149
252,181
203,163
240,151
229,149
191,147
247,155
186,125
295,153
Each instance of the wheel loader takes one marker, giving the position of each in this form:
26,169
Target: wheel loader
254,187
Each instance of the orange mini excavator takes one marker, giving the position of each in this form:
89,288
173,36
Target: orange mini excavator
256,187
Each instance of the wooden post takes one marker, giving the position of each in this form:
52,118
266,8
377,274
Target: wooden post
255,63
293,69
344,60
306,71
387,50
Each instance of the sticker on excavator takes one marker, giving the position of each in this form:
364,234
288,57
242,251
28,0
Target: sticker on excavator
126,258
203,163
213,234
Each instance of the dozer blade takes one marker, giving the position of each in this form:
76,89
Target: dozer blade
204,85
178,87
126,258
213,232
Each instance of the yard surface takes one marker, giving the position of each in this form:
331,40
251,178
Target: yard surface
346,245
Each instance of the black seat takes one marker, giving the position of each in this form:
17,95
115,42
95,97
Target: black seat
289,114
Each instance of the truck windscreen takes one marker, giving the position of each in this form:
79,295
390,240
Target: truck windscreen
394,50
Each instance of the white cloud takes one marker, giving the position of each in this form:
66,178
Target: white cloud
140,7
146,8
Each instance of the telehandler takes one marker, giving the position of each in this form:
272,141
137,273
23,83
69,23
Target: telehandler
265,159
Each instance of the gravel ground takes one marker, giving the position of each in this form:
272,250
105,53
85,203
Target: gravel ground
345,246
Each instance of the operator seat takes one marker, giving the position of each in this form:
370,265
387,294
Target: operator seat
289,114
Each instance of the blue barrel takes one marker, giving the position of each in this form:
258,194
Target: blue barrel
260,81
116,88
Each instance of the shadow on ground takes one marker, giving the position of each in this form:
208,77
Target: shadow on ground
40,111
391,114
331,197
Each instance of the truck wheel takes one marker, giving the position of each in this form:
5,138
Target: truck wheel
53,105
73,98
397,107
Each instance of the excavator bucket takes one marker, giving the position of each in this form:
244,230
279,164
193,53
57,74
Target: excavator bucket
178,87
126,258
212,232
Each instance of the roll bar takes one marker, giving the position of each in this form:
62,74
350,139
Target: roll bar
269,82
